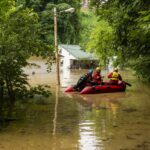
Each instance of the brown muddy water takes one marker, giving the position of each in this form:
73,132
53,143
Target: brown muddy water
70,121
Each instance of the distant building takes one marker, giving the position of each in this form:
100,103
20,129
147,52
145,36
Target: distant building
72,57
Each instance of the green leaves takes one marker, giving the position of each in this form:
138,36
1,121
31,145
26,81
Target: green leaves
88,23
19,39
23,33
142,65
130,21
68,24
101,40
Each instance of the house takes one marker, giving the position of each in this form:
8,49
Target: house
72,57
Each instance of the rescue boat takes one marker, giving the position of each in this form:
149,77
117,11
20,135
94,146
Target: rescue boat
106,88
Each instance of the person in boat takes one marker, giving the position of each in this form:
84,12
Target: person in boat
96,77
84,80
115,77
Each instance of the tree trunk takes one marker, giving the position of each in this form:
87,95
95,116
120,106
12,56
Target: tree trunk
1,93
11,93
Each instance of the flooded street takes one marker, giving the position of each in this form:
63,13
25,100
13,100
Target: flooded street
70,121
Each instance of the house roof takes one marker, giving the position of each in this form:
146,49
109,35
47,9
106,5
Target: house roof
76,51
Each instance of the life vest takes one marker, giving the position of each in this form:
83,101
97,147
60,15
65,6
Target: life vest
97,77
115,76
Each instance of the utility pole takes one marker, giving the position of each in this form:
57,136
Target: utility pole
69,10
56,46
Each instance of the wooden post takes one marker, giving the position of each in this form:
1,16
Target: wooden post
56,46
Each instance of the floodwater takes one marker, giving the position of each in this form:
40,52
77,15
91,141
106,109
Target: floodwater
70,121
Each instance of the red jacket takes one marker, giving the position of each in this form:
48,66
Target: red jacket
96,77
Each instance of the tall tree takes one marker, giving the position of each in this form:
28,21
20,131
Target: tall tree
130,21
68,24
19,39
101,41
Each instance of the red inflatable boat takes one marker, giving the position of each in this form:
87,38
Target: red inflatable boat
70,89
103,89
106,88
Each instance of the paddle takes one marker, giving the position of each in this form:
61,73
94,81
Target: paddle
127,83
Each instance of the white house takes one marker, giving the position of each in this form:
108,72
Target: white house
72,57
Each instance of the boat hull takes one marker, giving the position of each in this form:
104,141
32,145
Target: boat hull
103,89
98,89
70,89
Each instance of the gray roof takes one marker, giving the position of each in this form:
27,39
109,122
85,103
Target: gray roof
76,51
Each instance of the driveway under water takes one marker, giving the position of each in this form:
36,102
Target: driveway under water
70,121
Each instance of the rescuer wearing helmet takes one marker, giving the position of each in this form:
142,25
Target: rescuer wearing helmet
114,77
84,80
96,77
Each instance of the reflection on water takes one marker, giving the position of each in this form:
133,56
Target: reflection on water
70,121
88,138
55,111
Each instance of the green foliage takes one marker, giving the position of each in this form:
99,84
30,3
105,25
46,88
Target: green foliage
7,7
140,35
142,64
40,90
68,24
101,41
19,39
24,33
130,21
88,22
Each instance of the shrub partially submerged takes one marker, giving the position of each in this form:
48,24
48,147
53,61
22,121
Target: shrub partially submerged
20,38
